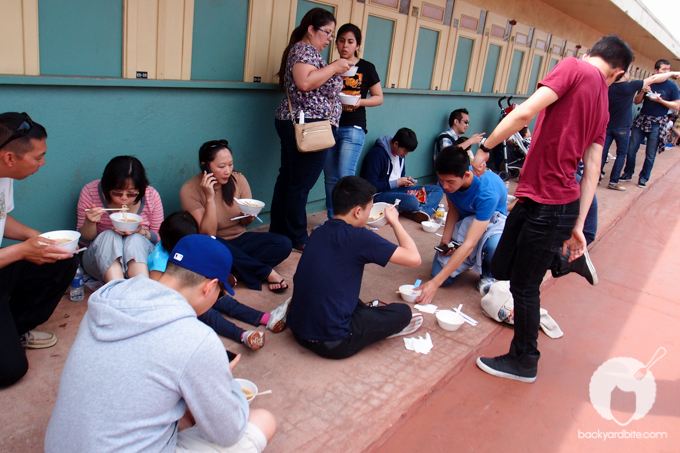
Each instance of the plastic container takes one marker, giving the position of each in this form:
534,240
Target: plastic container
77,290
131,224
440,214
62,235
249,388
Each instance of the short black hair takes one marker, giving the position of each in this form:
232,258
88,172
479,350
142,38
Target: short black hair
452,160
614,51
462,139
118,171
10,122
406,138
350,192
457,115
175,227
658,64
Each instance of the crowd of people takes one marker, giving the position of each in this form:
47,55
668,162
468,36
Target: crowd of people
147,370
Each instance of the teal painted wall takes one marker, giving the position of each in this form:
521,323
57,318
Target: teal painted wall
377,44
553,63
423,64
515,66
303,7
219,40
490,68
164,127
81,37
533,78
461,67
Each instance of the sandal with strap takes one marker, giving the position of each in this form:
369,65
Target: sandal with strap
283,286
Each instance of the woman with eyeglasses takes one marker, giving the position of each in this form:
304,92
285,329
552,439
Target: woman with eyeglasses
209,198
349,138
312,86
114,254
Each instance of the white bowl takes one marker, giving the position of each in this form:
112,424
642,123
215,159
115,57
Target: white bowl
248,387
449,320
250,206
131,224
377,213
408,294
348,99
430,227
351,72
72,237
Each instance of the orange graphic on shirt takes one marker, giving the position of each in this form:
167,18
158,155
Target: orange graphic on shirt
352,85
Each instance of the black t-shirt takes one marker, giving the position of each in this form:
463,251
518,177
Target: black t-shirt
364,79
621,97
327,282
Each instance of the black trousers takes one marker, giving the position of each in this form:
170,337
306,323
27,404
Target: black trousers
368,326
29,293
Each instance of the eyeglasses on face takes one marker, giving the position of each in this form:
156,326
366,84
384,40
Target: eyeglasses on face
122,193
466,122
329,34
23,129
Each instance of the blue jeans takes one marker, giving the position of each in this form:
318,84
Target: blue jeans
255,254
637,136
232,308
297,175
622,138
533,233
342,159
409,203
488,250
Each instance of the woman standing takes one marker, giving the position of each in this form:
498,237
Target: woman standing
312,86
114,254
349,139
209,198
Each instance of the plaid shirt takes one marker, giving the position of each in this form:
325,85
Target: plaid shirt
644,122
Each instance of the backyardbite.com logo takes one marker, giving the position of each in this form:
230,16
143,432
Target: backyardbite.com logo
628,375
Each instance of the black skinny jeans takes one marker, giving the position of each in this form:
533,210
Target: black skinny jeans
527,249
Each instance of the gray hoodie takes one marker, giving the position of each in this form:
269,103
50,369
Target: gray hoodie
140,358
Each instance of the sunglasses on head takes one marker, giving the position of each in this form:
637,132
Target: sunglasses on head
214,143
23,129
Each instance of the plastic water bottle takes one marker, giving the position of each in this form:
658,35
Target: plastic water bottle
77,292
440,214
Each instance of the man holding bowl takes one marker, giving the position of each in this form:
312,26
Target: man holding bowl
34,273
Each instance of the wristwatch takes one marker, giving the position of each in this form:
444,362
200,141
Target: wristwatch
482,147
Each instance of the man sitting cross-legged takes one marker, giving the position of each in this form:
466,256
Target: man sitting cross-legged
477,213
326,315
143,367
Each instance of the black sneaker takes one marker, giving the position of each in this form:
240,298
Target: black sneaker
626,178
584,267
520,368
642,184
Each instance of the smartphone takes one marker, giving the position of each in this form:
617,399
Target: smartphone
445,248
231,356
205,167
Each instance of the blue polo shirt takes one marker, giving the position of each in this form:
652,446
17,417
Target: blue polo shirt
485,196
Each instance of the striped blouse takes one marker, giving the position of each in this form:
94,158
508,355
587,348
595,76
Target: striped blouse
151,210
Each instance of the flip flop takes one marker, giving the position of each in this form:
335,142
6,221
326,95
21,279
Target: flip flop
281,287
416,322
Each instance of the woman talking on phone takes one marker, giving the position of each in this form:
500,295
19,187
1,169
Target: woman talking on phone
209,198
349,138
312,85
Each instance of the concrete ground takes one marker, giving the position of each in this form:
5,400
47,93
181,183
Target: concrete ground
389,399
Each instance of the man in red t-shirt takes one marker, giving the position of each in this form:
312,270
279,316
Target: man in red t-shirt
573,105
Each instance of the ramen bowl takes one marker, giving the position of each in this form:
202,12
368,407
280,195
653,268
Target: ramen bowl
68,239
377,216
249,206
131,224
430,227
408,294
351,72
249,388
449,320
348,99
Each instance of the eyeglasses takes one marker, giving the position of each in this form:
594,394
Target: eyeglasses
223,290
23,129
329,34
466,121
213,143
121,193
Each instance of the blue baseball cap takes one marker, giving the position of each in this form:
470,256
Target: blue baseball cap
204,255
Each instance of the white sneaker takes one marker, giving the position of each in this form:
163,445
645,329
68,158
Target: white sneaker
484,284
35,339
416,322
277,317
253,339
